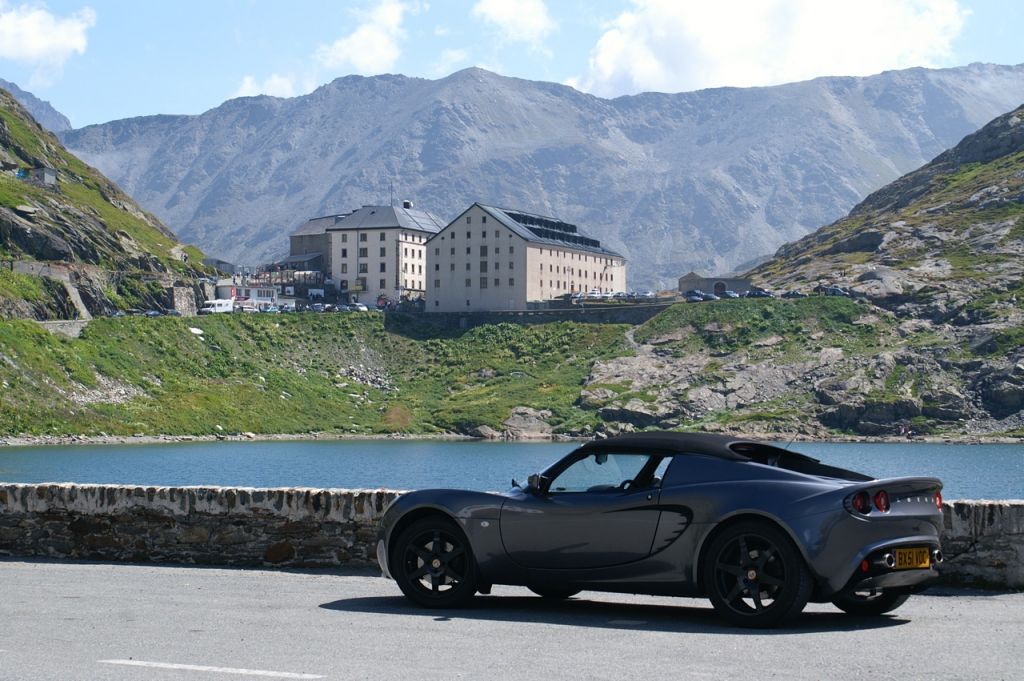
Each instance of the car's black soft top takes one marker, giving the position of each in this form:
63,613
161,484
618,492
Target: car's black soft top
722,446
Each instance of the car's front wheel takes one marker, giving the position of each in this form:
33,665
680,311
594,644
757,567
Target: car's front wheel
869,604
434,564
754,575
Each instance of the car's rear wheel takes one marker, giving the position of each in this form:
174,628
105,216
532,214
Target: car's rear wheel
754,575
554,592
865,603
434,564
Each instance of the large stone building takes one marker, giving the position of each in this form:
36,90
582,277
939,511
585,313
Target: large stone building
371,252
497,259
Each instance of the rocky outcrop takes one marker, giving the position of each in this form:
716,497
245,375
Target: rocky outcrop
526,423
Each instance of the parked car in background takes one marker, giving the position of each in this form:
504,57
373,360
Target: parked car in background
793,293
647,295
729,294
837,291
757,529
154,313
758,293
316,307
358,307
708,296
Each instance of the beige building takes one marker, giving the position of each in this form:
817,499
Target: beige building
371,252
497,259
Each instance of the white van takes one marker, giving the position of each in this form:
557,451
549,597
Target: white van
216,306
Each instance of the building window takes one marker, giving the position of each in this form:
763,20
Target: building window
468,250
511,282
467,303
469,235
344,268
437,251
382,236
344,284
383,267
420,270
361,283
511,249
469,282
437,267
405,252
497,251
362,252
468,266
511,265
383,251
483,251
344,238
437,283
483,266
497,266
484,220
469,220
363,268
383,284
362,237
453,250
483,282
344,252
497,282
405,267
452,267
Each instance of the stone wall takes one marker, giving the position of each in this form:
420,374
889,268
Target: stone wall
983,540
201,525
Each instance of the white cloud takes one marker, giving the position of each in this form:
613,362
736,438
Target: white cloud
374,46
32,35
276,86
524,21
677,45
448,60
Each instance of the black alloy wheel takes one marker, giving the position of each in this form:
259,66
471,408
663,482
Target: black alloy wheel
754,575
434,564
554,592
868,603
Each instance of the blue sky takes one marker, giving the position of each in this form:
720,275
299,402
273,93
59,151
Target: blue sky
99,60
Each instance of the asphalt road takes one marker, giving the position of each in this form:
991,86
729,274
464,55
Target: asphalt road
69,621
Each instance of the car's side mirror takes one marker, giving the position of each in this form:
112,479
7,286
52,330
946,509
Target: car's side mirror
538,484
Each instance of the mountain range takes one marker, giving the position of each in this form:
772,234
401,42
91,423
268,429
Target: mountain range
705,180
41,110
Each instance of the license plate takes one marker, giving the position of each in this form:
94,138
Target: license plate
913,559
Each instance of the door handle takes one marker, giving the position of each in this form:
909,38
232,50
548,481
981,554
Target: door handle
649,497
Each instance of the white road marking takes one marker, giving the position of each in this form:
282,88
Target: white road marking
218,670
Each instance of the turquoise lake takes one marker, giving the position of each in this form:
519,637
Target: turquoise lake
967,471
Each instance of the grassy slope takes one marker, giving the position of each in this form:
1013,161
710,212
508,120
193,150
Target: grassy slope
84,188
284,373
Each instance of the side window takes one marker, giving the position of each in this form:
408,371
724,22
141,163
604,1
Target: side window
601,471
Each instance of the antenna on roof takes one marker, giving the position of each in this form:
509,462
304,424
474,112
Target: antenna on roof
391,193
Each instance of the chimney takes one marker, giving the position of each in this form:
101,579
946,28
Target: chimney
406,203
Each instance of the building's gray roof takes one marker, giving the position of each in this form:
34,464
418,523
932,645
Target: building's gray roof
374,217
540,229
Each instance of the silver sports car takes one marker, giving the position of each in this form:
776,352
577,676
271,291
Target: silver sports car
757,529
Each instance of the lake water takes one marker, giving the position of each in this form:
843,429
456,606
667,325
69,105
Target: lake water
968,471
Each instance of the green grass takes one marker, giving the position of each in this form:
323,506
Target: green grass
728,326
284,373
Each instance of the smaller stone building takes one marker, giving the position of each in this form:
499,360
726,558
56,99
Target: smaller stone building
716,285
371,252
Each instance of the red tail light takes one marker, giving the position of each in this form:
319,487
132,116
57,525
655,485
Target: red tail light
938,500
882,500
861,502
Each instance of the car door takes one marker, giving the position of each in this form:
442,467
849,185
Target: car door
601,510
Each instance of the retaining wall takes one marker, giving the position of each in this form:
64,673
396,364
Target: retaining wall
983,540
